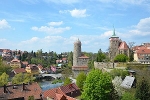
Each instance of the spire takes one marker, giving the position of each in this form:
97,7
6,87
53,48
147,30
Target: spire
114,34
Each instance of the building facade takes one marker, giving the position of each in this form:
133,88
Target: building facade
142,53
80,62
117,46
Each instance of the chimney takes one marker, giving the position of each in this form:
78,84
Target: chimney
24,86
5,91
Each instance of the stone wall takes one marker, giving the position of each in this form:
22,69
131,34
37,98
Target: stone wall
101,65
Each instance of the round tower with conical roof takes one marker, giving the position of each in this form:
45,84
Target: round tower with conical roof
76,52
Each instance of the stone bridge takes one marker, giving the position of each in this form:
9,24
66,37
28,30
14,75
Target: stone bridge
52,75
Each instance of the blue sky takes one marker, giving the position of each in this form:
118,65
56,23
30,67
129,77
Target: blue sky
54,25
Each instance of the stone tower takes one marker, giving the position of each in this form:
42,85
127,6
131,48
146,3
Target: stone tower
114,44
76,52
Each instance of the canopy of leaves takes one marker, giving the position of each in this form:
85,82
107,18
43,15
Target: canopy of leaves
4,79
142,91
81,79
4,67
67,81
119,72
121,58
100,56
22,78
98,86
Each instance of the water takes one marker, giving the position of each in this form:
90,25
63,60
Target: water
46,85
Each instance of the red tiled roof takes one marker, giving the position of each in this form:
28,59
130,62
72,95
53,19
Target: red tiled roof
64,59
17,92
15,60
61,93
51,93
143,51
79,67
25,63
123,45
69,88
19,70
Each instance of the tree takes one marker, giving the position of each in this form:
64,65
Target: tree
119,72
22,78
67,81
4,79
81,79
98,86
70,59
128,96
100,56
142,91
121,58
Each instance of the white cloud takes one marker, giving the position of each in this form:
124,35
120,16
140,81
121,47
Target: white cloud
55,23
4,24
78,13
142,28
51,29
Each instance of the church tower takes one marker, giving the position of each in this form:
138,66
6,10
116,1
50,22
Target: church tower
76,52
114,44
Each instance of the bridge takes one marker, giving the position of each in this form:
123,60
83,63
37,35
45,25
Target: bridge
52,75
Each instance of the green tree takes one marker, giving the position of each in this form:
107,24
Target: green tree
67,81
121,58
119,72
70,59
98,86
4,79
128,96
22,78
143,90
81,79
4,67
100,56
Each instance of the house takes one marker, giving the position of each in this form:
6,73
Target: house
32,68
21,92
142,53
24,64
19,70
41,69
15,63
68,92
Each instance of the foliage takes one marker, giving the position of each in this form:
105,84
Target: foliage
57,81
91,64
67,81
119,72
98,86
70,59
121,58
100,56
4,79
81,79
66,72
4,67
143,90
128,96
22,78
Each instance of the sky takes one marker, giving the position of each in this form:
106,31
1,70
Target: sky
54,25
